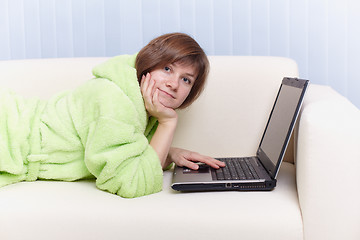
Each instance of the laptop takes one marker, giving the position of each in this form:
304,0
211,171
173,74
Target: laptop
257,172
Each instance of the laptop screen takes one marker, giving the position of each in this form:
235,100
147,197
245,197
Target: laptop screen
280,124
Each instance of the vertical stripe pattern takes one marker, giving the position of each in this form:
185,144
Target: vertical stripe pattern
321,35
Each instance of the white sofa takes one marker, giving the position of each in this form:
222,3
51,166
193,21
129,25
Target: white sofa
318,197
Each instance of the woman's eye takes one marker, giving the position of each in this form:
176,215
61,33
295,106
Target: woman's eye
186,80
167,69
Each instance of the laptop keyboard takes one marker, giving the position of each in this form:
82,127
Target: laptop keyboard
235,169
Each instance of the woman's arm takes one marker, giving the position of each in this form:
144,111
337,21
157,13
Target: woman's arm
167,118
161,141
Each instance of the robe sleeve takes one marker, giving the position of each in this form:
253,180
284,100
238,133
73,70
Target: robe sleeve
121,159
116,148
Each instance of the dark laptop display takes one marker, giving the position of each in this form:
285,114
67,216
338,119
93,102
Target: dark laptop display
256,172
280,124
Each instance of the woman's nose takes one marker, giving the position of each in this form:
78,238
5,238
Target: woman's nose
172,82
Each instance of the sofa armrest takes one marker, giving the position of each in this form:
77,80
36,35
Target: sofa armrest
328,164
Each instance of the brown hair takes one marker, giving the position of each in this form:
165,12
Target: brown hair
174,48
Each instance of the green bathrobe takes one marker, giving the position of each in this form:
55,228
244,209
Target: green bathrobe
99,130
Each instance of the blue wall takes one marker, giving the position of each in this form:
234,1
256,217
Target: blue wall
323,36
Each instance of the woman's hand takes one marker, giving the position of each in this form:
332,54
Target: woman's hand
185,158
152,103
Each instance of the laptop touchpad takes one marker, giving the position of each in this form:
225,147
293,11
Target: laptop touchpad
203,168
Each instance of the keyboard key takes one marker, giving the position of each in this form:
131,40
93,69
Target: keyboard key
252,170
246,169
232,170
219,174
240,170
227,174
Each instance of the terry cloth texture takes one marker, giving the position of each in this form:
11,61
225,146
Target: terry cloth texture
101,130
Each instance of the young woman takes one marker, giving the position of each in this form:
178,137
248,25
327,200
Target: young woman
172,71
116,128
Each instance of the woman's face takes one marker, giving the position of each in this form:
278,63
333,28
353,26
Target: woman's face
174,82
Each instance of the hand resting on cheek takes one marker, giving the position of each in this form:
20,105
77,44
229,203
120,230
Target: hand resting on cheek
152,104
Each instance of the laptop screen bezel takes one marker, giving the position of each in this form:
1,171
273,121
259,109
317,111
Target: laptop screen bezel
270,167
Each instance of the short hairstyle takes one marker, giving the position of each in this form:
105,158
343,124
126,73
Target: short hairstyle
174,48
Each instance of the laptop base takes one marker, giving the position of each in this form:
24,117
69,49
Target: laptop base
225,186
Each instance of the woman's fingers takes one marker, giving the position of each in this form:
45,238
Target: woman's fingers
212,162
190,159
147,89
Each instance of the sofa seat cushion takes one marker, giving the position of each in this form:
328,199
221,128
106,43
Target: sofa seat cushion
44,209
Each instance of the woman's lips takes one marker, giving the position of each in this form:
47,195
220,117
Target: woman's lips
166,93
